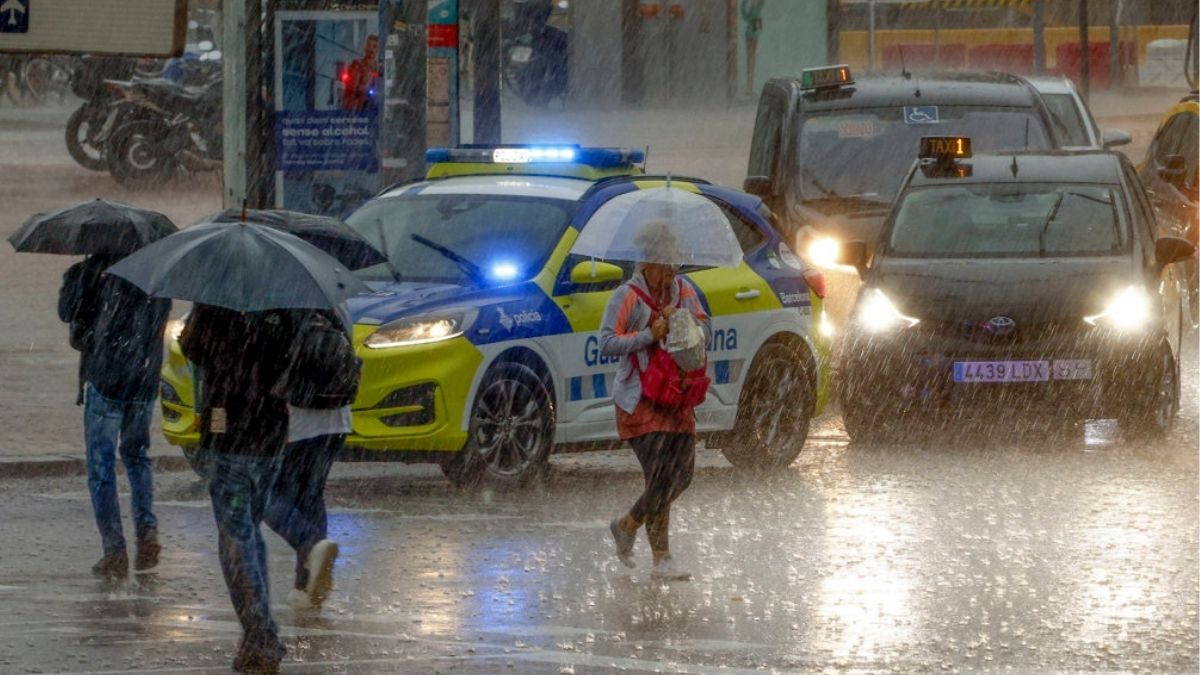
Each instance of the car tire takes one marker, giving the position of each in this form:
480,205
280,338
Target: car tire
135,155
1153,403
199,459
510,434
774,411
866,416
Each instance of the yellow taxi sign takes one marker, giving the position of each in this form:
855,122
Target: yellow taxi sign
823,78
945,148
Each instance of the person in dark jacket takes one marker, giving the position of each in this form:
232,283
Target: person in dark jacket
118,330
243,426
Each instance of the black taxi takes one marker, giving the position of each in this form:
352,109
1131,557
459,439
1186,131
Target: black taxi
1009,284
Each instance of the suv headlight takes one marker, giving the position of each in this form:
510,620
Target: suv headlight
823,251
1128,310
420,330
877,314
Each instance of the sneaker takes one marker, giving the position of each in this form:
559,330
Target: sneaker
147,551
320,571
668,570
624,542
112,566
298,600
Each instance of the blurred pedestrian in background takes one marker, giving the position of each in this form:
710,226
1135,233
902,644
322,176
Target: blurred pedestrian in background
751,11
662,433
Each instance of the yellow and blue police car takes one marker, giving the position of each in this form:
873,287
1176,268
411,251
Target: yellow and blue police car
480,340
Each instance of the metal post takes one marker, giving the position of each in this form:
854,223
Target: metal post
1115,76
1039,37
871,35
1085,75
233,91
485,25
833,28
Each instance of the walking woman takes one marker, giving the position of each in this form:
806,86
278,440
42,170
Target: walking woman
635,322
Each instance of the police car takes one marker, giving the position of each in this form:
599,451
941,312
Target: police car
480,341
1029,282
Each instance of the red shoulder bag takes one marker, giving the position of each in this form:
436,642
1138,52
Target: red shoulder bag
664,383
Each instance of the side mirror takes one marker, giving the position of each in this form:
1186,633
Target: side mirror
1111,138
854,254
588,272
1169,250
759,186
1173,168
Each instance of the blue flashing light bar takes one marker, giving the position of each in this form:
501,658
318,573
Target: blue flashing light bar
600,158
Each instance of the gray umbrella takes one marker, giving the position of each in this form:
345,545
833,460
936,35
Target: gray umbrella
328,234
93,227
240,266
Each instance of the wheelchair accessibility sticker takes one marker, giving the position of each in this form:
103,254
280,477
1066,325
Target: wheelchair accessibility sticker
14,16
921,114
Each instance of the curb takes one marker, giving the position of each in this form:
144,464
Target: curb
35,467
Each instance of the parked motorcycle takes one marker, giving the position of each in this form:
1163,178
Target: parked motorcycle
177,132
89,127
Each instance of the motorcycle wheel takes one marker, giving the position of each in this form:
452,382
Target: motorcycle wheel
135,156
84,137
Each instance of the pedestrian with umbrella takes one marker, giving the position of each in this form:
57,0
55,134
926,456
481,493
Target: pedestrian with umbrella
247,281
319,384
118,330
657,325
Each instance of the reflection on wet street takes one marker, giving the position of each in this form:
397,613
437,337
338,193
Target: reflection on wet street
949,554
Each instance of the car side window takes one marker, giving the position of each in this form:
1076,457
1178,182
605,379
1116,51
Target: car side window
768,135
1169,141
1141,211
748,236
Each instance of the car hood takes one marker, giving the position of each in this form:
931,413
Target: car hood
1027,291
390,301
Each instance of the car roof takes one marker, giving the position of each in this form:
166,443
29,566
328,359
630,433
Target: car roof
517,185
1100,167
982,89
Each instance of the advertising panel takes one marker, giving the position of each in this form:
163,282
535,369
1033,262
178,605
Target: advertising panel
328,86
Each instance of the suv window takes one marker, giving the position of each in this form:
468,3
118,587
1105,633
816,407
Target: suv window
768,136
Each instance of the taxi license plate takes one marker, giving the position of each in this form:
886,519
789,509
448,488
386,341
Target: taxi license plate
1022,371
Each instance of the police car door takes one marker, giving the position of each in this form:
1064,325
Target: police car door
585,376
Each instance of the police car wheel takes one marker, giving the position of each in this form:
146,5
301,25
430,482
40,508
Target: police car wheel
774,411
1155,403
511,430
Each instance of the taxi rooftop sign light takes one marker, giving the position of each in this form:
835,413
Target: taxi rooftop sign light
600,158
939,156
826,78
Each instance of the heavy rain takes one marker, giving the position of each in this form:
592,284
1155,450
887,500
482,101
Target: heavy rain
581,336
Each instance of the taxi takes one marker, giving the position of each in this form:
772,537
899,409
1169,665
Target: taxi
480,340
1026,283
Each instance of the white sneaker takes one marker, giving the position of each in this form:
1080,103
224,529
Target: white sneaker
668,570
298,601
320,571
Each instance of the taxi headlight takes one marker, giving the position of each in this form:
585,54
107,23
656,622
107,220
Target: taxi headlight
877,314
1128,310
419,330
174,328
823,251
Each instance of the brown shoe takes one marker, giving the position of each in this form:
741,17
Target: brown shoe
147,551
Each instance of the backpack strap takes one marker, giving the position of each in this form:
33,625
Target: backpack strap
645,298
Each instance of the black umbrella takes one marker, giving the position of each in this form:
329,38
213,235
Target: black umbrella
328,234
240,266
93,227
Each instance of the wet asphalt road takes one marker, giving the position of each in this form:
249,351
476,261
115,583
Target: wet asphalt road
977,553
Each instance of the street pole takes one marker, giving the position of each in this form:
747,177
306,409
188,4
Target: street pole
1039,37
1084,52
833,27
1114,45
233,111
485,24
870,35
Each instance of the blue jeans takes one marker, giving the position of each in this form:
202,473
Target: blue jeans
110,427
297,507
240,486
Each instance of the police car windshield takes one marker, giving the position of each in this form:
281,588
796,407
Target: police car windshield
864,155
476,239
1007,220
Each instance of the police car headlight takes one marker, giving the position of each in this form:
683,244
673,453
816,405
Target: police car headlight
419,330
877,314
1128,310
823,251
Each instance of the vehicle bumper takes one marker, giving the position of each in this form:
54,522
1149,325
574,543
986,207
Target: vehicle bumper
410,398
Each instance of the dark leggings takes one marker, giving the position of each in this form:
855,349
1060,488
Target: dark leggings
668,461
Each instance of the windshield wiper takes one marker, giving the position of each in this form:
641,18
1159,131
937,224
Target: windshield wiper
1046,223
471,269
